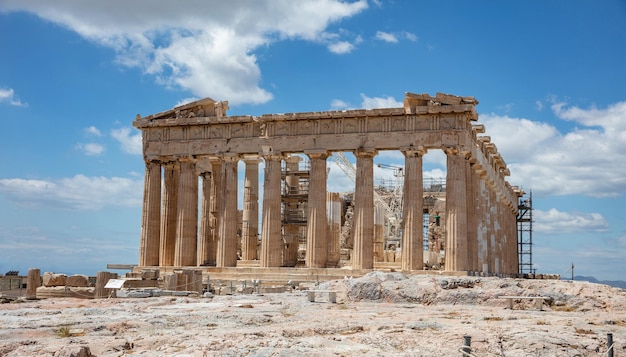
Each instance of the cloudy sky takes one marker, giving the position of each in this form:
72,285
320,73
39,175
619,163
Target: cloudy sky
549,75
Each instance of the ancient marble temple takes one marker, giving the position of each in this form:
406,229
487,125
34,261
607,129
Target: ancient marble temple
197,147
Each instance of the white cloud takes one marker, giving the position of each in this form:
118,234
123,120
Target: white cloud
185,101
341,47
587,160
78,192
91,149
379,102
339,104
8,95
556,222
386,36
395,37
410,36
92,130
204,47
130,143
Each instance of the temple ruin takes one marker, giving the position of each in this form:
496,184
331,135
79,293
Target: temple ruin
191,216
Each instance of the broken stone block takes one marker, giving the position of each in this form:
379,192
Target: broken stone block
77,280
150,274
52,279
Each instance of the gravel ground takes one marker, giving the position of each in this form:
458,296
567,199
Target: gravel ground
381,314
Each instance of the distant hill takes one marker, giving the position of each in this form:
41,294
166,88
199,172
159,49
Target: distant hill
615,283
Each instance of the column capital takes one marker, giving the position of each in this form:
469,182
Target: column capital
365,153
251,159
317,154
153,161
413,151
293,159
186,159
230,157
457,151
451,150
274,156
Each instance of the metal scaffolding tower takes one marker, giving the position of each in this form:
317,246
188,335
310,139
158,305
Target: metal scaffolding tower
525,234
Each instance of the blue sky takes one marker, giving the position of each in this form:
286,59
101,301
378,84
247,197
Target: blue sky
549,75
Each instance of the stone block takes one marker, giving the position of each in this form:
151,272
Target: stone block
132,283
77,280
170,281
52,279
150,274
126,293
271,289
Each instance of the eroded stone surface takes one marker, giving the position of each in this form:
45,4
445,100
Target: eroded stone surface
378,314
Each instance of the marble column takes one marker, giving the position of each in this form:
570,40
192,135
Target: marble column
413,212
499,237
150,224
514,241
482,228
333,212
227,233
363,219
472,223
187,223
292,232
317,225
250,221
204,238
215,208
492,219
169,213
271,225
379,234
456,212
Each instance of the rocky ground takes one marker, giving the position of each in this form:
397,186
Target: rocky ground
381,314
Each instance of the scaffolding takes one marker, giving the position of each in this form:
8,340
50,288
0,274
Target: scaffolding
295,175
525,234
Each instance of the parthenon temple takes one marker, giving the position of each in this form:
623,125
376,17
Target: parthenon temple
191,215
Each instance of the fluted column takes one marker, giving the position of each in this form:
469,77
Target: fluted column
362,256
456,212
482,229
204,238
317,225
227,233
498,234
187,223
514,267
215,208
514,246
169,213
472,221
413,212
250,220
150,223
333,213
292,232
492,219
379,234
270,229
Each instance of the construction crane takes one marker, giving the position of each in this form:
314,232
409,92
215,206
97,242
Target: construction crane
397,170
346,166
